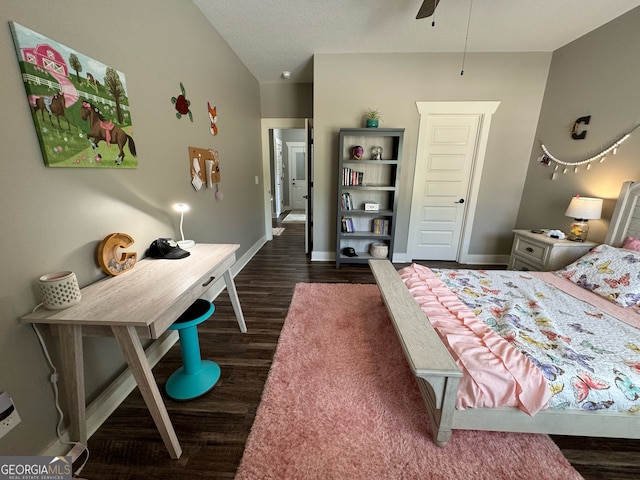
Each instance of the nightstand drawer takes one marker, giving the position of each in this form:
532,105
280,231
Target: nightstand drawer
518,264
532,250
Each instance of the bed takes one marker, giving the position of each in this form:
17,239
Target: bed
606,296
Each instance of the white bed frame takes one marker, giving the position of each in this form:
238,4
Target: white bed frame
438,376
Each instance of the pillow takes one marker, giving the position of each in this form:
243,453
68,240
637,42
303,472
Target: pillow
612,273
632,243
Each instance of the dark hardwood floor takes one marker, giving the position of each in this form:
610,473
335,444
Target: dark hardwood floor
213,429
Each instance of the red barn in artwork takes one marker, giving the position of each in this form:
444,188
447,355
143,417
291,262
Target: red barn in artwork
47,57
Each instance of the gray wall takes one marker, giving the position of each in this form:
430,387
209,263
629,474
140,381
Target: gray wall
393,83
596,75
286,100
52,219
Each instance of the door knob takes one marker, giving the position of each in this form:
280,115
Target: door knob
460,201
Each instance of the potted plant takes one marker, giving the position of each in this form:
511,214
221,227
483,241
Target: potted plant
372,118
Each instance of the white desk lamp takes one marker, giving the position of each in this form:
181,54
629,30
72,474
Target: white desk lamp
582,209
183,207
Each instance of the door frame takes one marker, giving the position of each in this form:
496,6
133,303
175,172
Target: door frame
308,231
266,125
278,193
486,111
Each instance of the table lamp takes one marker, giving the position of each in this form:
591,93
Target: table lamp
582,209
183,207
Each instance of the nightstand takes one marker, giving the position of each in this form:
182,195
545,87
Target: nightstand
537,252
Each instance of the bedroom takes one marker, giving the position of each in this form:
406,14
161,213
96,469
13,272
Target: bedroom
52,218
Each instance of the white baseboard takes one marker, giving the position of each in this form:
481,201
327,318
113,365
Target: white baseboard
117,391
323,256
400,258
406,258
465,259
485,259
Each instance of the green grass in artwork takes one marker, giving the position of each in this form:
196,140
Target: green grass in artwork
67,145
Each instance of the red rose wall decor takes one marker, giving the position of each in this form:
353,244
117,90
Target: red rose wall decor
182,104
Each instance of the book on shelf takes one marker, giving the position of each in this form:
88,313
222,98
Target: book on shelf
347,225
347,203
351,177
380,226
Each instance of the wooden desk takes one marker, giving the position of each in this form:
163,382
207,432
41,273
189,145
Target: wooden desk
142,302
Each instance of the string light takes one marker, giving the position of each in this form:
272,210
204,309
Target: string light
548,156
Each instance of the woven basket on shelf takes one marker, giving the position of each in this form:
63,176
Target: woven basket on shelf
378,250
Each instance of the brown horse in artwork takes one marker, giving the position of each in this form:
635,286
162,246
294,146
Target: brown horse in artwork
107,131
53,106
40,106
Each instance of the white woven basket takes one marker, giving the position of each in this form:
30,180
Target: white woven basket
378,250
59,290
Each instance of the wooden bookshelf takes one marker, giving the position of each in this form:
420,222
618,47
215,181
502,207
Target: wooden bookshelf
364,184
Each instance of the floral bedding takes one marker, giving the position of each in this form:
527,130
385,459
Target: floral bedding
590,359
494,373
613,273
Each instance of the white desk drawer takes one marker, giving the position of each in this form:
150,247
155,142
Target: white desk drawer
207,280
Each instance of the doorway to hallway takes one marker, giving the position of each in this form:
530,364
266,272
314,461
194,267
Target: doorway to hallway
287,148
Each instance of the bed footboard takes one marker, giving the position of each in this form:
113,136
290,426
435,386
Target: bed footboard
436,372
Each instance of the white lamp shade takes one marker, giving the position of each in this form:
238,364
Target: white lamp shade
584,208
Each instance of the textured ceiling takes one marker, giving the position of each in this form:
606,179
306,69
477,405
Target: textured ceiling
271,36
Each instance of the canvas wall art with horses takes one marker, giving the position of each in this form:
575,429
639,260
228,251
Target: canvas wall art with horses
79,105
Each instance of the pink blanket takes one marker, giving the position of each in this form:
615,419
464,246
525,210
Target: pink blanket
495,373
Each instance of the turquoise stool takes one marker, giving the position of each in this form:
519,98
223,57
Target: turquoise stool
196,376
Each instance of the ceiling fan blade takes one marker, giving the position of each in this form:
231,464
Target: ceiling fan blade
427,8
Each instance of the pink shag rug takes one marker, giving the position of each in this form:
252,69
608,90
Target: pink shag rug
341,403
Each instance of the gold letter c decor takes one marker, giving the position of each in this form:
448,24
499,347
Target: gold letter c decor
108,258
